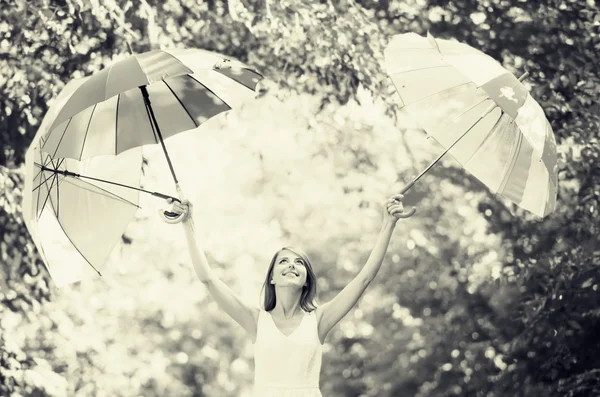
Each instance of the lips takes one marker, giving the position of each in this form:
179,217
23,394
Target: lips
291,271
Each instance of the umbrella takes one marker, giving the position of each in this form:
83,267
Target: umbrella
145,99
84,165
74,223
480,113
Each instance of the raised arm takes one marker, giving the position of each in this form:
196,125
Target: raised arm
244,314
330,313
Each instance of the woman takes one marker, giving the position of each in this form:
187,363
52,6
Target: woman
288,332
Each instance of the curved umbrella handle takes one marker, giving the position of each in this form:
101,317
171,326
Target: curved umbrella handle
172,216
408,214
405,189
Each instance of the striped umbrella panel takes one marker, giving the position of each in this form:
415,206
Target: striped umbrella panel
135,71
449,88
123,122
106,113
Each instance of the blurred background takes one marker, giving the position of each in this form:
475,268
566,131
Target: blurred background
475,298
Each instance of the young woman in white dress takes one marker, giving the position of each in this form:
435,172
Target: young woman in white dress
288,332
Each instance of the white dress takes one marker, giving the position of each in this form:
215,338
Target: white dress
287,366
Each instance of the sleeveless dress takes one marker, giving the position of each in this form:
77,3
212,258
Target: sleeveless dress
287,366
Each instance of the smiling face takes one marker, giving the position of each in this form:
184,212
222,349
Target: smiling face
289,270
290,267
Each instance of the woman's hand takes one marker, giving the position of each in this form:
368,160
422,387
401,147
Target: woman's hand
394,209
179,212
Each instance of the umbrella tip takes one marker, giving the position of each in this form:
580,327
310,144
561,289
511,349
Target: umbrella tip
524,75
129,46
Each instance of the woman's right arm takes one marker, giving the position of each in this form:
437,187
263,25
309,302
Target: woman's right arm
244,314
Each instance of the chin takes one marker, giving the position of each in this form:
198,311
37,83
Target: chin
294,283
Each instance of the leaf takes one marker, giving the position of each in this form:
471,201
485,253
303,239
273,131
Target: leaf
588,283
574,324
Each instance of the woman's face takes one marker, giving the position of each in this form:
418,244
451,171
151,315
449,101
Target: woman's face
289,270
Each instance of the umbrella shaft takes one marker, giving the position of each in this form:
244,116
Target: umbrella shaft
155,124
74,175
434,162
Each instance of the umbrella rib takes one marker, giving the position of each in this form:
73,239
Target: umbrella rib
209,90
419,48
107,78
37,197
513,160
49,193
58,164
57,198
239,82
429,67
181,103
487,137
39,173
117,123
41,183
434,94
107,192
87,130
471,108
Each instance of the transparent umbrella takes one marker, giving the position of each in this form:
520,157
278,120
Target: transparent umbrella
84,165
481,114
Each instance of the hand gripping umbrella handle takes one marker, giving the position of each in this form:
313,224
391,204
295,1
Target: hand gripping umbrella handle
406,188
171,216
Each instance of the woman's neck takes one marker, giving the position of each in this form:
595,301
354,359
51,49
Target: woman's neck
287,302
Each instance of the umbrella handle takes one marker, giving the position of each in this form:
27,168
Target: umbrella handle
405,189
408,214
171,216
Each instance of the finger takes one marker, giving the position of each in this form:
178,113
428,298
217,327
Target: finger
392,203
396,207
405,214
396,197
183,204
178,208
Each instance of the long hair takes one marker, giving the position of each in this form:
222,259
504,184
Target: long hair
308,300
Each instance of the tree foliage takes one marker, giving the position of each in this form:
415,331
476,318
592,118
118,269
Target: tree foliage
475,299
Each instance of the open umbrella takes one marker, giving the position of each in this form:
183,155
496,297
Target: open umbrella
84,165
73,222
145,99
480,113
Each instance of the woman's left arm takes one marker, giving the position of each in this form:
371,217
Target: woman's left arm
330,313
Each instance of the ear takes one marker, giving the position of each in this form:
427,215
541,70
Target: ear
272,281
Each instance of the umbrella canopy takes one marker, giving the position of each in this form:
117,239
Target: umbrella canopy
76,224
144,97
84,165
480,113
